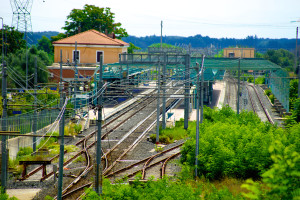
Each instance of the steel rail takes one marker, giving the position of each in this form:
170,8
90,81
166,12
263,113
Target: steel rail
163,167
263,106
142,161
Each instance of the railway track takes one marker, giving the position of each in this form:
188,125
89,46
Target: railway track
128,110
147,163
112,154
117,152
257,104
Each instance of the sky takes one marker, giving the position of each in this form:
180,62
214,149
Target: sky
213,18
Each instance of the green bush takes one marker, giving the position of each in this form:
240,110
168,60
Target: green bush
24,151
282,180
160,189
268,92
260,80
272,98
231,145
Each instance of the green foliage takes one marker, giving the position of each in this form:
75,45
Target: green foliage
160,189
169,135
268,92
132,47
231,145
93,17
164,45
281,57
293,92
295,117
220,54
17,65
45,44
48,142
24,151
77,128
223,193
14,40
260,80
282,179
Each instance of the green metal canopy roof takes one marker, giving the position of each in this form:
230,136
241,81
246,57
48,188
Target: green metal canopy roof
233,63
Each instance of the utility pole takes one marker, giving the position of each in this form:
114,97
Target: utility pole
4,128
164,82
35,106
61,151
296,60
238,90
164,94
4,117
197,118
186,91
26,38
296,50
76,75
158,102
98,180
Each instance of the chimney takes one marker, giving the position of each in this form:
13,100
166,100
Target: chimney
79,29
106,32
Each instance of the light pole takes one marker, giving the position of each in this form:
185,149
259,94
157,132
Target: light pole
296,58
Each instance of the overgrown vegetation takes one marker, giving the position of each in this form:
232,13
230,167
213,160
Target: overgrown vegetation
233,148
269,94
169,135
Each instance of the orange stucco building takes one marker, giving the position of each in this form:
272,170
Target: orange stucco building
90,45
239,52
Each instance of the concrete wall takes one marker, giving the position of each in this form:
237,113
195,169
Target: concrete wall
14,144
87,54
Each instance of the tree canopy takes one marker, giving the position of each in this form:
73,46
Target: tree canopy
16,64
281,57
93,17
13,40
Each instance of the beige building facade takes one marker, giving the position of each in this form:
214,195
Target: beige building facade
239,52
90,45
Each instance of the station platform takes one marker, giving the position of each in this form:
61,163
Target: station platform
177,113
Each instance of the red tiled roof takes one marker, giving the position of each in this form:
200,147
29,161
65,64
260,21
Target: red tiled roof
91,37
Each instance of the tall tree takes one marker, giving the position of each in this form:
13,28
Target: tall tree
93,17
45,44
281,57
13,40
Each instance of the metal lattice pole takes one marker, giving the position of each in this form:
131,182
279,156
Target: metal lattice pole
98,180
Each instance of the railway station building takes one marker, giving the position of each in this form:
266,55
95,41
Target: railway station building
239,53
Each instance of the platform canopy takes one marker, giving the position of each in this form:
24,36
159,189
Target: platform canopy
233,63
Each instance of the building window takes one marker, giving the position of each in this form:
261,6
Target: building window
99,53
231,55
76,56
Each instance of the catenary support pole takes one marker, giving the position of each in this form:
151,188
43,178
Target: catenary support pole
76,75
186,91
238,90
296,49
158,103
164,94
202,89
26,39
98,180
61,150
197,119
35,104
4,128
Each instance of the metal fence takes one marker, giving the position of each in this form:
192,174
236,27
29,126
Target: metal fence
24,122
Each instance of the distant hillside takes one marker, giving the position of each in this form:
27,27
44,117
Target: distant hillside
38,35
198,41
